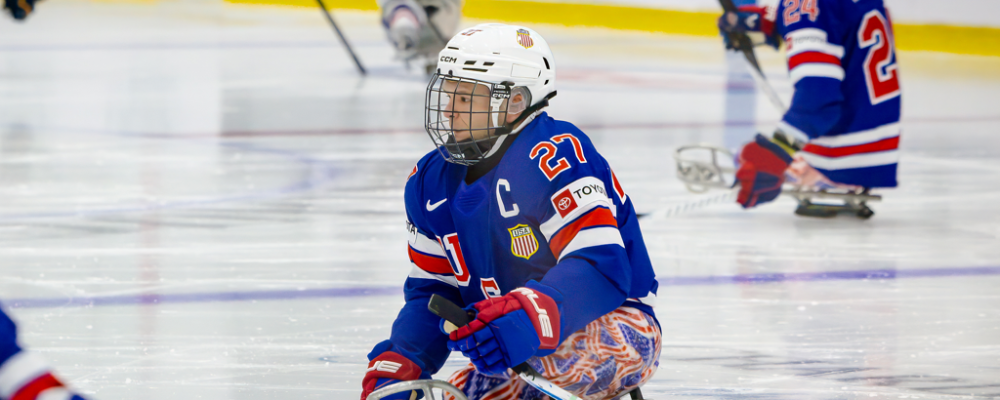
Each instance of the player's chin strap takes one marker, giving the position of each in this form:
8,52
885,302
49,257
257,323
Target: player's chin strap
518,124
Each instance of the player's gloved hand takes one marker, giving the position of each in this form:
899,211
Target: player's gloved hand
19,8
511,329
751,20
762,169
387,367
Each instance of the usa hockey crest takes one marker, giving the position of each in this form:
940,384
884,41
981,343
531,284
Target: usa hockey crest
522,241
524,38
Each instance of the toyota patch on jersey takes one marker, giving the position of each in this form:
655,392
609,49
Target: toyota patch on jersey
522,241
580,193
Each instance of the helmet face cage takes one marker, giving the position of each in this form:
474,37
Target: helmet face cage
465,117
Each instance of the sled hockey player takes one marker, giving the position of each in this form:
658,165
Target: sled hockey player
23,374
842,129
519,219
419,29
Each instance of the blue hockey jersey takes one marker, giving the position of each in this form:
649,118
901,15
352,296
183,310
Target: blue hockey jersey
842,61
551,211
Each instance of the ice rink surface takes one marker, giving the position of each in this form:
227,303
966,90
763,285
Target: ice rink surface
204,201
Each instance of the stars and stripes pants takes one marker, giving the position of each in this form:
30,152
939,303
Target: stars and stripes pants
609,357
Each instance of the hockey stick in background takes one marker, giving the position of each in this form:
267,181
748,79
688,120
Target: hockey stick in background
437,32
342,38
451,312
742,41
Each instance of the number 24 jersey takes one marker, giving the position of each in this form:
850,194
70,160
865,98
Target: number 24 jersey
846,106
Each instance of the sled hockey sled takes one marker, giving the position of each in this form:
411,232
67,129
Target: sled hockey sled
703,167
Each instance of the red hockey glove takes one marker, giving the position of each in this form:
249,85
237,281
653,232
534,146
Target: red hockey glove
386,369
762,170
509,330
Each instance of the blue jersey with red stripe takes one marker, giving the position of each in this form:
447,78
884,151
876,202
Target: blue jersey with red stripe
24,375
551,211
842,61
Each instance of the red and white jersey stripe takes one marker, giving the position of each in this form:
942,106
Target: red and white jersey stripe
25,376
589,220
429,259
811,55
868,148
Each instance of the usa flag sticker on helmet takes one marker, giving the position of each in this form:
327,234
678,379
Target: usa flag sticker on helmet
524,38
522,241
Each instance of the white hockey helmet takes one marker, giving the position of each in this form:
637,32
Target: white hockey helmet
480,73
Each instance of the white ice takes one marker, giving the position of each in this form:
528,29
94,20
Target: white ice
226,190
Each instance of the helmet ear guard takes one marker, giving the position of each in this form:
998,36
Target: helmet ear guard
517,106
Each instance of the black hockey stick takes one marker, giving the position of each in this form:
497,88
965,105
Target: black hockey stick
451,312
741,39
430,11
745,45
342,38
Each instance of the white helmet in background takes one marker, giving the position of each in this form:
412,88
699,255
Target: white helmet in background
490,80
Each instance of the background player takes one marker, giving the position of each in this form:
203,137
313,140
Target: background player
842,129
23,374
517,216
19,9
419,29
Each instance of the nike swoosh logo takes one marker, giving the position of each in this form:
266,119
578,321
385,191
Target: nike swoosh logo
432,207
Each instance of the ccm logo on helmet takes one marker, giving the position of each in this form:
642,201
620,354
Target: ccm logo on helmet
448,59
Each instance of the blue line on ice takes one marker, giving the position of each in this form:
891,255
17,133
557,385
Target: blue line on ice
291,294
